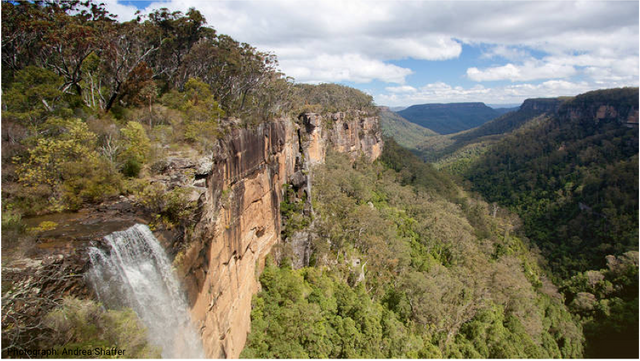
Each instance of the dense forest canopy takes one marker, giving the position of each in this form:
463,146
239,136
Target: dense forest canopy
407,265
573,179
103,63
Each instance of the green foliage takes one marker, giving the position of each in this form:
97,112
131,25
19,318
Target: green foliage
311,314
291,211
331,98
201,112
573,180
137,146
11,222
170,208
84,324
109,65
46,158
607,303
131,168
415,172
33,96
405,133
401,271
457,152
66,168
44,226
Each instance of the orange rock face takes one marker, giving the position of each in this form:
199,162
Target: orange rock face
240,220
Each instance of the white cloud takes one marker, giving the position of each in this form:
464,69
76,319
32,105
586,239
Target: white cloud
335,68
401,89
506,52
355,40
124,12
529,70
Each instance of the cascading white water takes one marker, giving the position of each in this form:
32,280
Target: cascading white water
136,273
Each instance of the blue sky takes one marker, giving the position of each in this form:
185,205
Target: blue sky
412,52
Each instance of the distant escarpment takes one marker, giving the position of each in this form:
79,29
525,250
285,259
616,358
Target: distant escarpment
449,118
531,108
612,105
240,218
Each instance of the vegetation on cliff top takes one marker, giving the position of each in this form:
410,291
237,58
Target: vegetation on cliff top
90,103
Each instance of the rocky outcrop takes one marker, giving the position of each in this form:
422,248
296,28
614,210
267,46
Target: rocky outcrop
603,106
541,105
240,214
35,285
353,133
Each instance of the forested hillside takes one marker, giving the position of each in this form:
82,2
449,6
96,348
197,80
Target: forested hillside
455,152
573,179
577,169
407,134
405,264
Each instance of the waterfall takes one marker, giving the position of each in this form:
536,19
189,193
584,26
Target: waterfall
135,272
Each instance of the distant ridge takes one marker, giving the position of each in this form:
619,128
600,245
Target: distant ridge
505,106
449,118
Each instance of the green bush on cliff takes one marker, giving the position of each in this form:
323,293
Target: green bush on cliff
85,325
170,208
331,98
64,167
291,212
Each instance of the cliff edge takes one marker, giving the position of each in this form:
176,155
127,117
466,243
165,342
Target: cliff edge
240,218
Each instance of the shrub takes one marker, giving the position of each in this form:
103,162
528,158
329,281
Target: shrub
131,168
171,208
137,146
64,170
43,227
84,324
12,222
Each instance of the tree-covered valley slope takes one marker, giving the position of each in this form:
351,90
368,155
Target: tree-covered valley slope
568,167
575,168
573,179
406,264
406,133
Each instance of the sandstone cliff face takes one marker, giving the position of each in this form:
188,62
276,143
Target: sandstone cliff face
353,133
240,220
604,106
